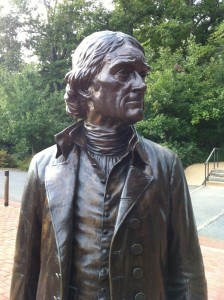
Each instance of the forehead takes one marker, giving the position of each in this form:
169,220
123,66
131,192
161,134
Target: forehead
127,54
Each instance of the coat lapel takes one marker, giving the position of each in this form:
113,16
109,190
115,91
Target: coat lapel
60,186
136,183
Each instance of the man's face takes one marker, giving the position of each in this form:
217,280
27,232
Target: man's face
117,92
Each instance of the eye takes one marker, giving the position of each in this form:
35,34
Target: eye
123,74
143,75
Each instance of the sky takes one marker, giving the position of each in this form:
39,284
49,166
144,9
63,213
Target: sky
6,4
28,55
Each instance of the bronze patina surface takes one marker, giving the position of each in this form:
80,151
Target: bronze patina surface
106,214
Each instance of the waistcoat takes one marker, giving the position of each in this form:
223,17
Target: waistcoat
95,210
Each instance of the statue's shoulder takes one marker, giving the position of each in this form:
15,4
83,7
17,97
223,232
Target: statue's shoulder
42,159
158,151
46,155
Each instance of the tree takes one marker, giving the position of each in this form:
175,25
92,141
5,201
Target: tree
167,23
54,39
183,41
185,98
37,90
10,46
32,115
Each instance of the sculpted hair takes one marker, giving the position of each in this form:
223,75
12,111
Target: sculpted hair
87,62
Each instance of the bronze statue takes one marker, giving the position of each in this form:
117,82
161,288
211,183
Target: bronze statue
106,214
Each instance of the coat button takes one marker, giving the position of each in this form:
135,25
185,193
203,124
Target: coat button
103,271
103,291
136,249
108,197
104,251
137,273
140,296
106,214
134,223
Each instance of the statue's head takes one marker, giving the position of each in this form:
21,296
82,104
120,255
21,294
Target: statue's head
89,60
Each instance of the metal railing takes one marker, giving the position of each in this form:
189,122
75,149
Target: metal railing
215,154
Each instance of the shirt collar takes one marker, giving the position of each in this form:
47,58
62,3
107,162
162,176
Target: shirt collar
72,135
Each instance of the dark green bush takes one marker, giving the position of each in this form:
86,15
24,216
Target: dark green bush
187,152
23,165
7,160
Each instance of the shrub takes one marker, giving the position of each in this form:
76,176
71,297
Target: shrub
23,165
187,152
7,160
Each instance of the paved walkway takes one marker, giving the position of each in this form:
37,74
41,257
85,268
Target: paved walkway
195,173
209,217
8,227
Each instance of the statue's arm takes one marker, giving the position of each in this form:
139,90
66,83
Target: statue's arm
186,270
27,251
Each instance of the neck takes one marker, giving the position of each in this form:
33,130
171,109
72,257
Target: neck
106,141
102,121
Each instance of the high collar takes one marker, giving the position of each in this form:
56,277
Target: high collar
107,141
65,141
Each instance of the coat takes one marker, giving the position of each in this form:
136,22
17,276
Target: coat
154,253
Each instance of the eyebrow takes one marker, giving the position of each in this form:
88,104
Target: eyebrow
127,61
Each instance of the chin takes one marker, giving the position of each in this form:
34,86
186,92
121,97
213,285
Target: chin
134,117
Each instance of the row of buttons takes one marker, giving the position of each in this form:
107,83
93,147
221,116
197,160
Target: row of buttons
105,243
137,249
99,171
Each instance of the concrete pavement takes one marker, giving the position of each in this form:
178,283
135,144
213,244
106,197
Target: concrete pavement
208,204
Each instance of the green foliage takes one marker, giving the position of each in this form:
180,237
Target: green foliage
184,101
23,165
183,42
10,46
188,152
6,160
32,114
54,39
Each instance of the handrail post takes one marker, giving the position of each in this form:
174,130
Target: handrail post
214,152
217,157
6,192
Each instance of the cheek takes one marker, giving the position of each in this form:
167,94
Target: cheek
123,95
111,94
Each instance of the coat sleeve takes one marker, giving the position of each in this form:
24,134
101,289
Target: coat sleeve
27,251
186,270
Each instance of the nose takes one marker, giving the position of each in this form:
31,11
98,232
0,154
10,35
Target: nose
138,84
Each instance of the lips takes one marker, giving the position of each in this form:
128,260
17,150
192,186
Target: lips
136,100
135,104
